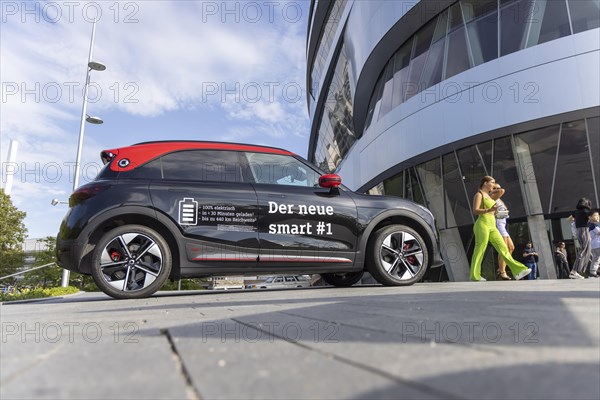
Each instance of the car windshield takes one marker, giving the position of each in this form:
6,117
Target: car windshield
270,279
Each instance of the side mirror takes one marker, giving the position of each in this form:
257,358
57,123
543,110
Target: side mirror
330,181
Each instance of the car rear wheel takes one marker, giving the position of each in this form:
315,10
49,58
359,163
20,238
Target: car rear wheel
342,279
397,256
131,262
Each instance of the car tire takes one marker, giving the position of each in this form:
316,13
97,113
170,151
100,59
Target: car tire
397,256
131,262
342,279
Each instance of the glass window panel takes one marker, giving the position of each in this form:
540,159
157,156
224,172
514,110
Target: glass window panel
423,38
458,53
394,186
336,129
473,9
458,210
550,21
281,170
388,87
412,188
593,126
485,150
514,20
573,173
325,43
416,69
370,111
401,63
585,14
432,73
505,173
472,169
441,26
538,157
431,181
455,19
150,170
483,38
202,165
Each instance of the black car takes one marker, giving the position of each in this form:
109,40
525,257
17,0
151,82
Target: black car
183,209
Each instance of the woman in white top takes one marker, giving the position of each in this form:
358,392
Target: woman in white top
501,219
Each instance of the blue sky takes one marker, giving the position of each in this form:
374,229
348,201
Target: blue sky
227,71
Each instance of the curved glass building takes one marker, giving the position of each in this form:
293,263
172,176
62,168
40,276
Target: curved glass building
420,99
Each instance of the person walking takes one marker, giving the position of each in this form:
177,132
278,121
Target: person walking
581,217
484,206
594,228
530,257
501,220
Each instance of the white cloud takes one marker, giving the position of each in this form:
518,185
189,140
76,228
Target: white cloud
159,66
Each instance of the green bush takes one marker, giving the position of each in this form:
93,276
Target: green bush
26,294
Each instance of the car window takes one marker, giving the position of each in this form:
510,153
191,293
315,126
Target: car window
281,170
202,165
278,280
290,279
150,170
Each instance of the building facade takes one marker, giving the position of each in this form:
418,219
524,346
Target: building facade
420,99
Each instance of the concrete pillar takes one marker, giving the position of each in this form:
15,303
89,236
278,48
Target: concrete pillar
455,258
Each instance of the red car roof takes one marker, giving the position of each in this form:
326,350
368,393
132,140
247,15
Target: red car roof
141,153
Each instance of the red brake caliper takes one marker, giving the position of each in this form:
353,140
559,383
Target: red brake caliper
411,259
115,256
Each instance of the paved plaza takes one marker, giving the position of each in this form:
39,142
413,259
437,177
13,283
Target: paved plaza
492,340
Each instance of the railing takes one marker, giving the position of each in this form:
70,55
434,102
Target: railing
27,270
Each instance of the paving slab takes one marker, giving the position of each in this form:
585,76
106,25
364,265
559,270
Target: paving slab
537,339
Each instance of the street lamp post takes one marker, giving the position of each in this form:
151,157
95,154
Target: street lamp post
96,66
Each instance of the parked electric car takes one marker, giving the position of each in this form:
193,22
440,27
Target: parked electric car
194,209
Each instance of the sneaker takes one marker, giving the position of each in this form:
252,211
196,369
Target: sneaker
592,275
575,275
523,274
482,279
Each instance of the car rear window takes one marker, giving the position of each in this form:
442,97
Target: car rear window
202,165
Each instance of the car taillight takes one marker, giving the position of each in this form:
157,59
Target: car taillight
85,192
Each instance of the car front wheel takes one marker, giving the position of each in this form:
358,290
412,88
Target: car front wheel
131,262
397,256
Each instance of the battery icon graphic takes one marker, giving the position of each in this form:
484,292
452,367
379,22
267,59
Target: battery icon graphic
188,211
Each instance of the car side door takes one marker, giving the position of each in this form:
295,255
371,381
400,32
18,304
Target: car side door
301,225
204,193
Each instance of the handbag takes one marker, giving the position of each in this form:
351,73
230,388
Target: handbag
502,211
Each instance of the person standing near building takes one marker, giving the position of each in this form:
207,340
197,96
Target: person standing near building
594,228
581,218
501,220
562,264
530,257
484,206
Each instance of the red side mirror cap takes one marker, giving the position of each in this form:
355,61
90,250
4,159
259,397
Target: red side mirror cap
330,180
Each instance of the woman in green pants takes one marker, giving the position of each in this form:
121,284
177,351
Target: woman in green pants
484,206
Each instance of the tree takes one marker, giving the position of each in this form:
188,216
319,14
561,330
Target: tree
46,277
12,235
